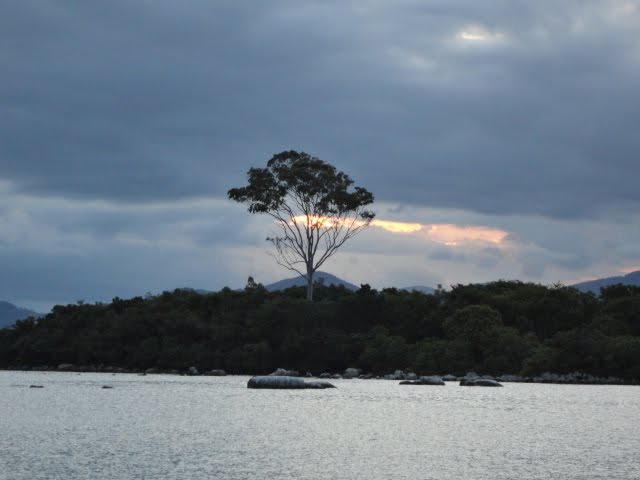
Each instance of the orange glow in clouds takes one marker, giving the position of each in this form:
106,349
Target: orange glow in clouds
449,234
397,227
444,233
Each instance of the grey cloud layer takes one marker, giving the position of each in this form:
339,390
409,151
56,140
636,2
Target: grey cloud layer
145,101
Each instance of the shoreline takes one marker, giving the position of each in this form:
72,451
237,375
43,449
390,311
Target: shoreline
574,378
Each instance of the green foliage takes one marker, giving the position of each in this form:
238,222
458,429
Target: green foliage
501,327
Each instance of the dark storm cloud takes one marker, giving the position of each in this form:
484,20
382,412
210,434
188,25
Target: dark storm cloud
147,101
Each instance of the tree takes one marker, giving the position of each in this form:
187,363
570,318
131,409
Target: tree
315,206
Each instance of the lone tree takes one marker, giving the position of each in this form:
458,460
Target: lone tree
314,206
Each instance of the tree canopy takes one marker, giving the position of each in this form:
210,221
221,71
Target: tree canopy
315,206
496,328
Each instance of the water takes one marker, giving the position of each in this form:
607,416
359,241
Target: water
171,427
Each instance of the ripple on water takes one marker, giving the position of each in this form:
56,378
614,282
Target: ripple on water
159,426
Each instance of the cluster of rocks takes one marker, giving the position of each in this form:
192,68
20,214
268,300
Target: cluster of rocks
70,367
577,377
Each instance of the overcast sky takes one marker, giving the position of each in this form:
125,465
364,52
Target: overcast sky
504,132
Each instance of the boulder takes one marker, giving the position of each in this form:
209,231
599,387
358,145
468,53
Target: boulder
152,370
215,373
431,380
397,375
412,376
66,367
325,375
479,382
278,382
193,371
336,376
308,375
450,378
351,373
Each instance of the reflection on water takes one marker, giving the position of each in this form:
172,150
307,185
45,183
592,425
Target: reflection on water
169,427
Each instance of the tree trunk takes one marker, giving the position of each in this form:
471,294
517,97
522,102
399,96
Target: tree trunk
310,286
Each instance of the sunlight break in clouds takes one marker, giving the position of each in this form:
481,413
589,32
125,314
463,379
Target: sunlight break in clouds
443,233
453,235
479,34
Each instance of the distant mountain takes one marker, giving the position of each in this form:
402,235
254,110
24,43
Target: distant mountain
9,313
326,278
594,286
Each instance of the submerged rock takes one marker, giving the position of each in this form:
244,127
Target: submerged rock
36,386
276,382
427,380
107,386
215,373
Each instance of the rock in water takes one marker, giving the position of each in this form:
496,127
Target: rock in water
276,382
286,383
319,384
36,386
428,380
431,380
216,373
480,382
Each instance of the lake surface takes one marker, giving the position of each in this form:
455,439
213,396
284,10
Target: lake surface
172,427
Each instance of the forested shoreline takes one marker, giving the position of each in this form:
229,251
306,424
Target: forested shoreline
503,327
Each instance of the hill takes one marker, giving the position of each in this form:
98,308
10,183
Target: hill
323,277
594,286
9,313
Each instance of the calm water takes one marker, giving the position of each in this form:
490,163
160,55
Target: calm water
169,427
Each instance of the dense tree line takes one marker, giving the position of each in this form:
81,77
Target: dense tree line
495,328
